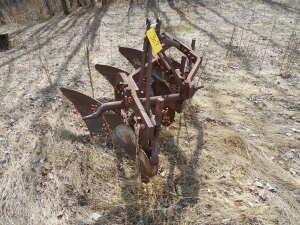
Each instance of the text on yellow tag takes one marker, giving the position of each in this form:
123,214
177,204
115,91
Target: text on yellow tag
154,41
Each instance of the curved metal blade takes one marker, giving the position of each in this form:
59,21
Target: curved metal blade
85,105
147,170
123,136
110,73
134,56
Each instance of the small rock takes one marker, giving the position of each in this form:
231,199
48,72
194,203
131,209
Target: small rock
2,160
11,122
251,188
7,151
297,153
183,203
39,188
226,221
239,200
178,189
209,206
296,130
95,216
270,188
79,222
294,171
297,161
288,134
234,67
258,184
60,215
289,155
296,197
239,191
251,204
163,173
262,195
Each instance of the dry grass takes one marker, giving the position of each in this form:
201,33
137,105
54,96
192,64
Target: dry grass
44,64
291,56
233,133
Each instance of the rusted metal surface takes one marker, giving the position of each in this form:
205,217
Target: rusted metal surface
153,93
85,105
124,136
134,56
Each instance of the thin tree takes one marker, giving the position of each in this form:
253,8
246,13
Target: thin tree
49,7
93,3
65,7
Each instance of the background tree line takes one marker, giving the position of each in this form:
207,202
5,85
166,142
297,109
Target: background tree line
18,11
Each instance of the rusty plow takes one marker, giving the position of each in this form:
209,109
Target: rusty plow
145,99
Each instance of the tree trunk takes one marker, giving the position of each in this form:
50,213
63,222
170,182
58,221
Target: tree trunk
49,7
2,20
65,7
82,3
4,42
93,3
104,3
71,3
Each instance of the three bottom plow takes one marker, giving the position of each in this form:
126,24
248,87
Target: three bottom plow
146,99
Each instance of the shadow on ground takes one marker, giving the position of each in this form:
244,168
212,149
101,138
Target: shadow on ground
165,199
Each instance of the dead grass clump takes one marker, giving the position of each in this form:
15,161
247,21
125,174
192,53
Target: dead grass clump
291,54
236,143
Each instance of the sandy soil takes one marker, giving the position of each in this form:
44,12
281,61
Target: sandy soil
233,156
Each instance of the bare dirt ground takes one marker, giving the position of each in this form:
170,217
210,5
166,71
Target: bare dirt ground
233,156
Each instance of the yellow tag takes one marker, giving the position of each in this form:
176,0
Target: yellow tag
154,41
